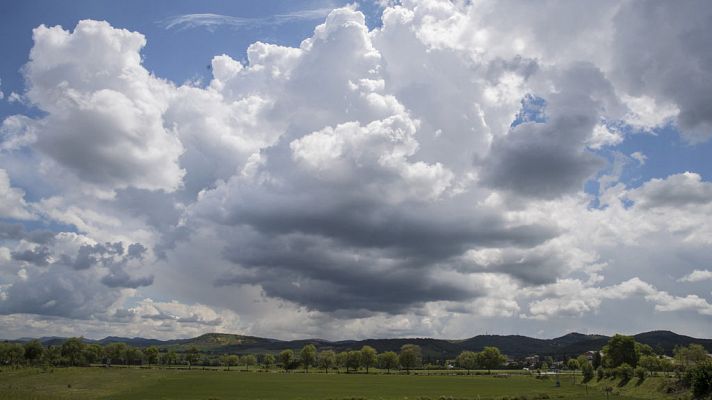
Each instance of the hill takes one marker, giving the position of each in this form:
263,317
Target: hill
515,346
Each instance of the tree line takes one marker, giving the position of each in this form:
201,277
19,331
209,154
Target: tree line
75,352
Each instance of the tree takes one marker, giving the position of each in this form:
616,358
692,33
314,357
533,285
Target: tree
232,360
341,359
388,361
116,352
308,356
665,365
490,358
700,378
410,356
573,365
268,360
286,357
587,371
368,357
11,354
467,360
600,373
643,349
582,360
33,351
326,360
650,363
151,355
596,361
192,356
72,350
639,373
134,355
625,372
170,358
52,355
93,353
353,360
690,355
620,350
248,360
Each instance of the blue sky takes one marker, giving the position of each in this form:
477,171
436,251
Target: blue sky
377,169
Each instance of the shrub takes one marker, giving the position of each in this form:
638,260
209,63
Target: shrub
587,371
640,373
624,372
600,373
700,378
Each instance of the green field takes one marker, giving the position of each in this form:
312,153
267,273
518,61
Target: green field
132,383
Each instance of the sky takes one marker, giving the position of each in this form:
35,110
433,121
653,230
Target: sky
345,170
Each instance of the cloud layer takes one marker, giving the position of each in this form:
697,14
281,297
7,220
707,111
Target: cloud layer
418,178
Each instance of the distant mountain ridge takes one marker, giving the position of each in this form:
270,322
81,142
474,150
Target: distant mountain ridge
515,346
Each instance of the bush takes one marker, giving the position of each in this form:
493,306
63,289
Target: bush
700,378
624,372
600,373
587,371
640,373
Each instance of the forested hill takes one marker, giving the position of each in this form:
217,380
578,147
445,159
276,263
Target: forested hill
512,345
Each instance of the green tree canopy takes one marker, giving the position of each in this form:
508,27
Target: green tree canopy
170,358
410,356
368,357
34,351
248,360
690,355
192,356
467,360
268,360
72,351
326,359
572,364
151,355
93,353
116,352
596,361
341,359
286,358
490,358
620,350
388,361
308,356
353,360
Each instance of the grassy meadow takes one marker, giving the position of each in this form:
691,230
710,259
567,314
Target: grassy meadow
155,384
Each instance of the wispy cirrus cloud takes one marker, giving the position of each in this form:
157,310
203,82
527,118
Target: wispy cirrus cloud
211,21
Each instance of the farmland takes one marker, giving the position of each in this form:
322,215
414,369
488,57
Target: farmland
153,383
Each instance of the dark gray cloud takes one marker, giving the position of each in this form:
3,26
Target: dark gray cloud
548,159
40,256
328,247
58,291
660,49
323,275
136,250
10,231
90,255
119,278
